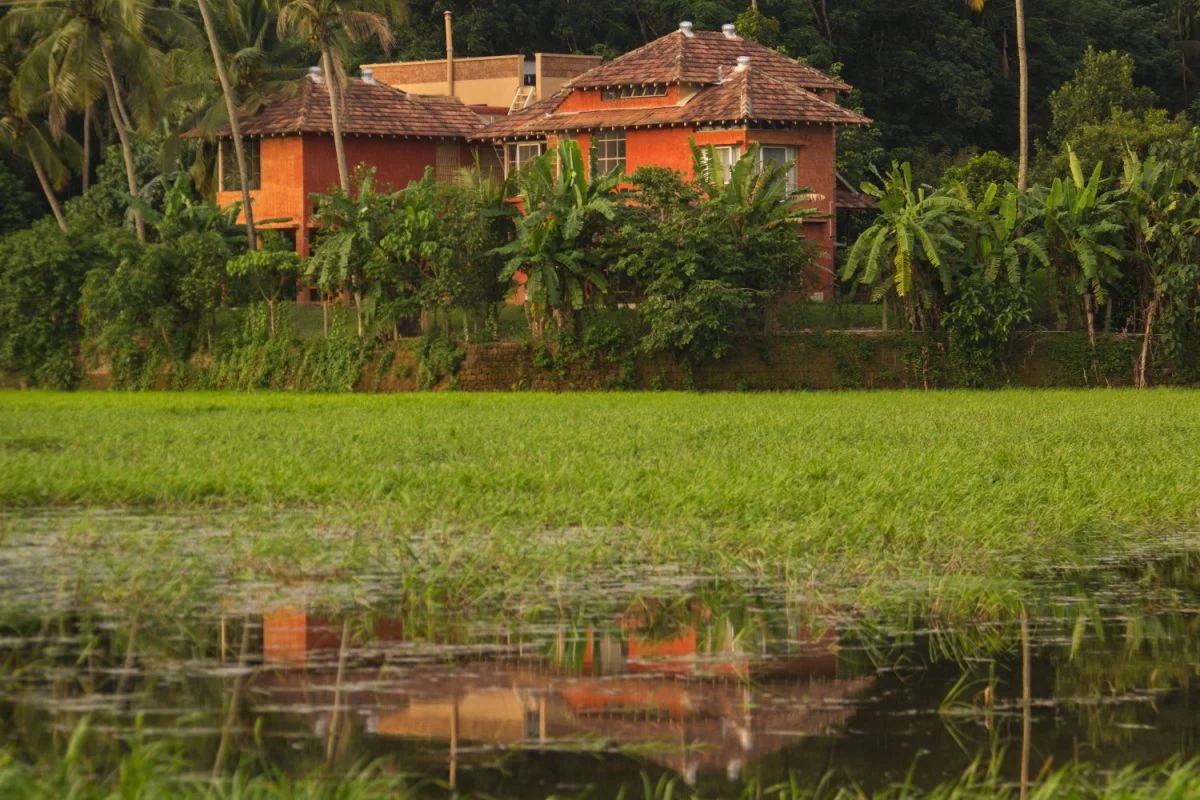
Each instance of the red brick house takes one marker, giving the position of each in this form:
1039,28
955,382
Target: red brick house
642,108
710,87
289,147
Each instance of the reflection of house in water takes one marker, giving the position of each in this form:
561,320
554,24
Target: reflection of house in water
688,704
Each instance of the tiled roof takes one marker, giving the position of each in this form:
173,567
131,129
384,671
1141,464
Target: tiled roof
854,201
517,122
756,92
698,59
370,109
748,94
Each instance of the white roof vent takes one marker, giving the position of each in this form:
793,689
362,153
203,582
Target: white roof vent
743,62
685,28
314,75
730,31
368,75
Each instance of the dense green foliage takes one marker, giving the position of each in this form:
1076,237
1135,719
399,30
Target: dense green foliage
419,259
42,268
1110,253
706,254
702,261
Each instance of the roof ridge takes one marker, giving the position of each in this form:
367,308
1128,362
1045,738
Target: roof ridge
681,44
747,108
310,86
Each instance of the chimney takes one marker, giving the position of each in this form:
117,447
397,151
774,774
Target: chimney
368,75
685,28
449,15
314,75
730,31
743,62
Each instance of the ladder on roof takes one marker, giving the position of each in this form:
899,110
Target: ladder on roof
522,98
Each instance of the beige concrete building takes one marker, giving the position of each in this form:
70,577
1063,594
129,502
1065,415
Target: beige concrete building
498,83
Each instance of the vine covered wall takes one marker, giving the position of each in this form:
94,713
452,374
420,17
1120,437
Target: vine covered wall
811,361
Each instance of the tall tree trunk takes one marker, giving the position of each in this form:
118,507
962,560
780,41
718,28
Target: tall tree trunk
123,117
47,188
335,109
1023,80
358,310
87,147
1090,318
119,119
1144,358
235,126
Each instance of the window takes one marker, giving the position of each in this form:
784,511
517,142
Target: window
780,156
446,164
518,154
727,156
626,92
533,724
609,147
229,177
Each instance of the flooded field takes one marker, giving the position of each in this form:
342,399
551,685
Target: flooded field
713,685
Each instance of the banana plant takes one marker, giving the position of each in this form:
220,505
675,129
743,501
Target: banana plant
347,248
1162,220
563,207
755,195
908,249
1083,236
1004,242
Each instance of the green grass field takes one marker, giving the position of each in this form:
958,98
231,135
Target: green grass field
854,484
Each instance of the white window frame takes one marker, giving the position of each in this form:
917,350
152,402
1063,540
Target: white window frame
517,155
727,156
610,151
630,92
789,158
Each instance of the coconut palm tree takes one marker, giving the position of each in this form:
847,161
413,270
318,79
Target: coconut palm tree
260,67
23,136
1023,90
234,126
331,26
80,48
32,140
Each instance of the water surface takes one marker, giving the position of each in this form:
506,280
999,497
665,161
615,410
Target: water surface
714,682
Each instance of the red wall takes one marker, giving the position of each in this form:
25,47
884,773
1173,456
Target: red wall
296,167
281,195
816,169
593,99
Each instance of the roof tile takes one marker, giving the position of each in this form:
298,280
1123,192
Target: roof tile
698,59
749,94
371,109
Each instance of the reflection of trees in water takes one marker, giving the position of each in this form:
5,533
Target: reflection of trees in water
706,676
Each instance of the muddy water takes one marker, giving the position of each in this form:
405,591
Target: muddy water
716,684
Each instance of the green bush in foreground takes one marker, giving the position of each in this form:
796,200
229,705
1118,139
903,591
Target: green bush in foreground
159,769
